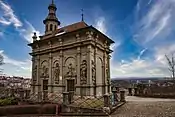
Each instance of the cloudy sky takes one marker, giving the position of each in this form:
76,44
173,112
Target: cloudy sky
143,31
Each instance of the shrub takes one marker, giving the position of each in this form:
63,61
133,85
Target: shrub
8,101
28,109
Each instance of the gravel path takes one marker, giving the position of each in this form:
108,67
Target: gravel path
146,107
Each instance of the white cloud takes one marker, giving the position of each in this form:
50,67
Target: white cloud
155,67
161,51
100,24
141,53
154,23
16,67
138,68
28,32
9,17
157,21
4,22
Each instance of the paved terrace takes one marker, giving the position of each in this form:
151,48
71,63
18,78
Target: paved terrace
146,107
140,107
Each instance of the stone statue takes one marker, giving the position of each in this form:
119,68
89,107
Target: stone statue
45,73
83,72
93,72
70,70
57,72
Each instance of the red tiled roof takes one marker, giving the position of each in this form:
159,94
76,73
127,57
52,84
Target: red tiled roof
71,27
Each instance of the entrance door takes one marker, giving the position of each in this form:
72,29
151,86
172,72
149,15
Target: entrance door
70,85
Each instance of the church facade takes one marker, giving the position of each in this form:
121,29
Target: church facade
71,58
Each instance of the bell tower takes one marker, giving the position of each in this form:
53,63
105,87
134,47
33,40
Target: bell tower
51,22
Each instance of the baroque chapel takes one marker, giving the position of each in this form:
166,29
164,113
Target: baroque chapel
71,58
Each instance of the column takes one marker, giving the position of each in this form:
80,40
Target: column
33,82
104,73
109,75
78,90
61,68
38,79
95,62
89,70
50,74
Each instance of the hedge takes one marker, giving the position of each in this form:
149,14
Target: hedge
28,109
8,101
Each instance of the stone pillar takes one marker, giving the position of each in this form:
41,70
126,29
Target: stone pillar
112,88
64,107
130,91
114,92
122,96
65,98
71,94
106,100
135,91
117,89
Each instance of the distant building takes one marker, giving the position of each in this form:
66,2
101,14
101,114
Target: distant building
15,82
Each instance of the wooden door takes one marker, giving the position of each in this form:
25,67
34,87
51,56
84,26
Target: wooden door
70,85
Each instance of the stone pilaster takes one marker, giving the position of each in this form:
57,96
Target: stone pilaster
104,70
38,71
105,67
78,67
89,70
51,80
109,75
38,87
95,62
33,82
61,68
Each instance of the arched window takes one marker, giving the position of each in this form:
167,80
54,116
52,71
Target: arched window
51,27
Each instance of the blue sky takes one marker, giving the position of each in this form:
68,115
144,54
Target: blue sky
143,31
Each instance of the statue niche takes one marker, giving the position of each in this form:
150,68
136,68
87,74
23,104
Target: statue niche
83,72
57,73
93,72
70,71
44,73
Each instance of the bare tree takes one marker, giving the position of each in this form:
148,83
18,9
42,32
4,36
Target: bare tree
171,64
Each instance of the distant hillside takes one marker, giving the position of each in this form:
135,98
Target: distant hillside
139,78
